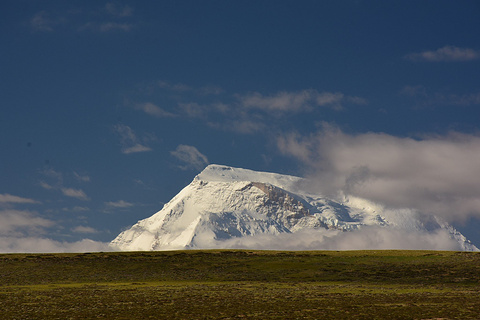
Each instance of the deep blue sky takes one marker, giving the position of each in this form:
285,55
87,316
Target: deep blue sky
108,108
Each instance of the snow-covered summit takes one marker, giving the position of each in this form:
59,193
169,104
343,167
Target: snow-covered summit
221,173
225,207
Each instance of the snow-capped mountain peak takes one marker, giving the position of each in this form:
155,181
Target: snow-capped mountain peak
232,207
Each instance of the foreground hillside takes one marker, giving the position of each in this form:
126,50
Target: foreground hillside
241,284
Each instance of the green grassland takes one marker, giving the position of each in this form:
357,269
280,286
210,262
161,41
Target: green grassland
230,284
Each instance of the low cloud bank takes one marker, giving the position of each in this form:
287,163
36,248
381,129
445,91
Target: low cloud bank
367,238
25,231
45,245
435,175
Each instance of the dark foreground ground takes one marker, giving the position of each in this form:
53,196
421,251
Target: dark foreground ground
241,284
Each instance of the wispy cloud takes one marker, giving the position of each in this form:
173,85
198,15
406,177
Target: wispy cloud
183,88
120,11
246,126
56,182
43,22
81,178
193,110
182,100
55,178
119,204
110,18
190,156
434,99
113,26
45,185
177,87
435,175
75,193
105,27
136,148
8,198
243,125
299,101
76,209
246,113
447,53
154,110
84,229
414,91
129,141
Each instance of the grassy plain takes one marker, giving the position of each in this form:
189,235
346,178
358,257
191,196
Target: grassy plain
226,284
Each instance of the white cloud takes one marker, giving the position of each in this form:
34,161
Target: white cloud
447,53
119,204
8,198
435,175
23,231
75,193
129,141
153,110
15,222
189,155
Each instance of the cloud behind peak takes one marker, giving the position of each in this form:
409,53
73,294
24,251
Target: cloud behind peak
435,175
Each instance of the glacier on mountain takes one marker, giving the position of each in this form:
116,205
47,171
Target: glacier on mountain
226,207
